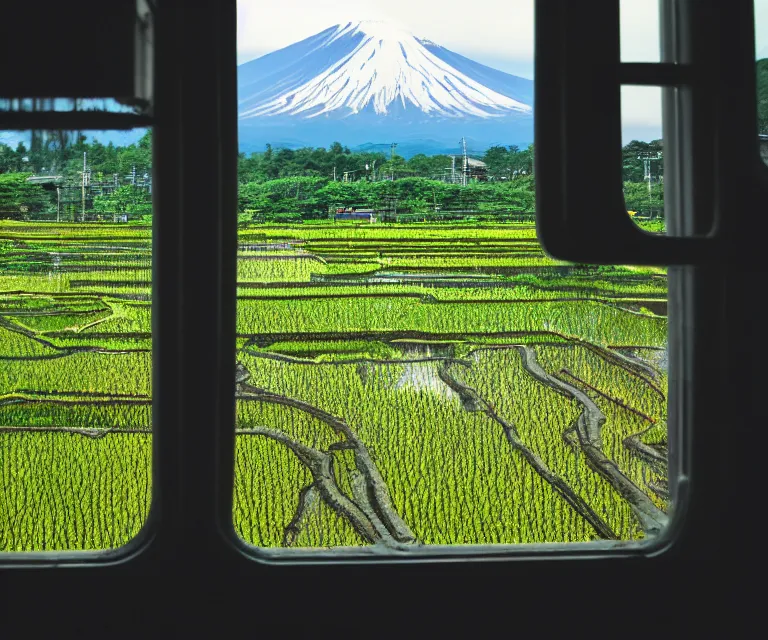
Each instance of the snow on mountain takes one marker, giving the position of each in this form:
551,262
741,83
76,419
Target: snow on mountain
367,82
387,64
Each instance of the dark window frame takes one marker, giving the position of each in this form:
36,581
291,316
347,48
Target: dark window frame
189,535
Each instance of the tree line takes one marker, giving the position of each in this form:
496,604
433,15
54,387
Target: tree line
341,163
314,197
61,153
308,182
292,184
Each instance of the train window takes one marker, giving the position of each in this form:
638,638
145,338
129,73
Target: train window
413,371
761,54
414,374
69,105
643,156
75,336
639,30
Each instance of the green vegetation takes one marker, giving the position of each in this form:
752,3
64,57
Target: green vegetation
762,95
61,152
397,385
290,186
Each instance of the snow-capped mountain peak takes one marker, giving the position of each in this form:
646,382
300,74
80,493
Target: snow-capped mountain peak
380,66
369,83
376,29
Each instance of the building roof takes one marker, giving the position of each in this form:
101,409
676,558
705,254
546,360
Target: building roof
45,179
473,162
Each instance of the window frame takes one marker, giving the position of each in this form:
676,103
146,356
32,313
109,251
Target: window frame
193,436
686,298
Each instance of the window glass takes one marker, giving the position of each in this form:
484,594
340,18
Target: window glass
412,368
103,105
75,338
761,54
640,34
643,156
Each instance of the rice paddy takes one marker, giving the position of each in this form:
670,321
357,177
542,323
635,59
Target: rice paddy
398,385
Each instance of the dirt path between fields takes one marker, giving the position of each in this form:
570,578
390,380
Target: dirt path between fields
588,429
370,511
473,401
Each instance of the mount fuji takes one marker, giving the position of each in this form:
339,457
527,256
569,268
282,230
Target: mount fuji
367,84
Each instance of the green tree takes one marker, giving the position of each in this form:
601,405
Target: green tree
632,164
499,161
10,161
126,199
637,198
762,96
19,196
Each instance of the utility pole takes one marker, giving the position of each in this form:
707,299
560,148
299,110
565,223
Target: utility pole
465,165
83,185
647,157
334,173
58,204
453,169
392,158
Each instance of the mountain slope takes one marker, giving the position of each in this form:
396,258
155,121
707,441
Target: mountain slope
372,82
514,86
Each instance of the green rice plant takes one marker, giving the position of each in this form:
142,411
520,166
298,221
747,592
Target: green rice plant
55,412
106,343
277,270
450,472
345,349
590,321
386,231
105,373
14,344
268,480
62,322
655,435
39,283
542,417
75,321
631,402
126,318
452,262
67,492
